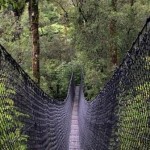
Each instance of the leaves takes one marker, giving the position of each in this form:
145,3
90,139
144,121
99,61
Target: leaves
10,127
134,116
76,34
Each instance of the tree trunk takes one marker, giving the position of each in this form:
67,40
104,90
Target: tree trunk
0,57
132,2
112,27
34,24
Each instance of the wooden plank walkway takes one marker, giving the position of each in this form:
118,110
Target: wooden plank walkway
74,134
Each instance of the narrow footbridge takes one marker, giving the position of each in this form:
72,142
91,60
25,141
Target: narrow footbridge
117,119
74,143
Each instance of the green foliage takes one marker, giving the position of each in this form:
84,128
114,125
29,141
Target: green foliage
134,119
56,52
73,35
92,38
55,47
130,20
56,79
95,73
10,126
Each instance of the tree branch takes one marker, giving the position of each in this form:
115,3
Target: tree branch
61,7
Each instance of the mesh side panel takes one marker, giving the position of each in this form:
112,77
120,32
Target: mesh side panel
119,117
29,119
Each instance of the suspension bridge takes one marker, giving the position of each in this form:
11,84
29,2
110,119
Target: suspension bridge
117,119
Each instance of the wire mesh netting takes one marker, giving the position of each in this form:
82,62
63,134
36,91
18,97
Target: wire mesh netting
119,117
29,119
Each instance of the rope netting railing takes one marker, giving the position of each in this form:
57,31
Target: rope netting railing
29,119
119,117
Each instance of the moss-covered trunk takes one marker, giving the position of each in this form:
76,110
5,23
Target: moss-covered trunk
34,23
112,27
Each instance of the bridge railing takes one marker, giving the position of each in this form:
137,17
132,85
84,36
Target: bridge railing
119,117
29,119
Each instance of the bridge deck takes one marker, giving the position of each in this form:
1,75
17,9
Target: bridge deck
74,134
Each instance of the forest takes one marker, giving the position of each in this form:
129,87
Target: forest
52,38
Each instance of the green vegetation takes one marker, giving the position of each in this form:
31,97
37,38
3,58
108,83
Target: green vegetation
73,33
93,35
134,118
10,126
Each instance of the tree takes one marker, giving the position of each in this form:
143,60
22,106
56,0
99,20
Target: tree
113,32
92,34
34,24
